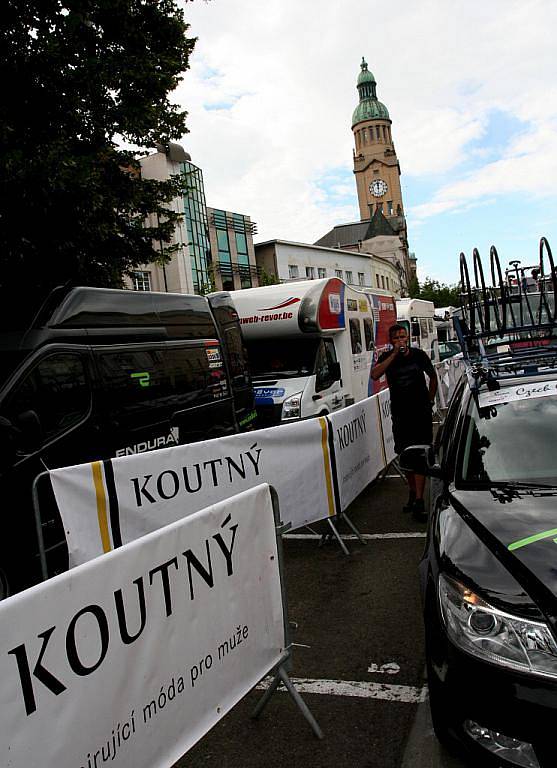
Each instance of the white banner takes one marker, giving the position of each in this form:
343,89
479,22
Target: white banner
520,392
358,447
448,375
384,401
105,504
130,659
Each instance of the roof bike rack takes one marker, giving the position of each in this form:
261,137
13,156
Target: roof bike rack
518,308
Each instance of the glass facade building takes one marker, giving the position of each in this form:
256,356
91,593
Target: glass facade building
197,227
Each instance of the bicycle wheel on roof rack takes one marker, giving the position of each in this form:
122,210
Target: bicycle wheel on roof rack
466,300
552,315
482,304
499,302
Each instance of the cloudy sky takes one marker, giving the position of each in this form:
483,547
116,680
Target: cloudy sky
471,88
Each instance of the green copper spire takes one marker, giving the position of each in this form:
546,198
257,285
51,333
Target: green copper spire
369,107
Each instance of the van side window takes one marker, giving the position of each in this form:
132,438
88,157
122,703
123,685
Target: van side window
237,357
155,382
423,327
56,390
355,336
325,356
368,333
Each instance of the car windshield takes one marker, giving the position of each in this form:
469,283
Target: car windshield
517,443
270,358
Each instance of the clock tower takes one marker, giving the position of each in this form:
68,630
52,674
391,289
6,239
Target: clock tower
376,165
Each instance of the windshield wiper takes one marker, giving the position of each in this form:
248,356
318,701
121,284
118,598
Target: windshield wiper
521,484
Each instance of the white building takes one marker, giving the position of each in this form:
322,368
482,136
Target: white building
301,261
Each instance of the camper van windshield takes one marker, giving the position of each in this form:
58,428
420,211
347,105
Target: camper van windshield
285,357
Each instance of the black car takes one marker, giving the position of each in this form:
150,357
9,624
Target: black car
489,571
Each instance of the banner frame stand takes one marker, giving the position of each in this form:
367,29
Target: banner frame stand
280,671
339,517
38,524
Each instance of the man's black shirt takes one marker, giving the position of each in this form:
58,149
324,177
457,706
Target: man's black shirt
405,376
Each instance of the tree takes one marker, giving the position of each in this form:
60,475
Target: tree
440,294
84,74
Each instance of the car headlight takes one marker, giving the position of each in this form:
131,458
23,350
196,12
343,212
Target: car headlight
495,636
291,407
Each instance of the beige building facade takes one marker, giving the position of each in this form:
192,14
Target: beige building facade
213,248
289,261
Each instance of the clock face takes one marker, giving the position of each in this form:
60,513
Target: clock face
378,187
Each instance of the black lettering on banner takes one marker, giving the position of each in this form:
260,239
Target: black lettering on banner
254,461
205,573
121,613
212,463
189,488
348,433
174,486
167,485
71,648
142,491
225,551
165,581
77,644
41,673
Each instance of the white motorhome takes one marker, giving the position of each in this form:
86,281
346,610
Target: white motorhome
417,316
311,345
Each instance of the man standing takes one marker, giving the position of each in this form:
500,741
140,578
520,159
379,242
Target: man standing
411,404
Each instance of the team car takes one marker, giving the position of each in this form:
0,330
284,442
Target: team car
488,575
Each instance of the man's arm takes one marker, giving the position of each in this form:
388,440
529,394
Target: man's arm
431,374
379,369
432,384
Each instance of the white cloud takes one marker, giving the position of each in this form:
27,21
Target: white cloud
286,73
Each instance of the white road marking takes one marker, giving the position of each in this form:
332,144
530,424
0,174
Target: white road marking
390,477
407,694
352,537
390,668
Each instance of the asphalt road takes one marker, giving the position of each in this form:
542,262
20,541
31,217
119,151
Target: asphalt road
362,675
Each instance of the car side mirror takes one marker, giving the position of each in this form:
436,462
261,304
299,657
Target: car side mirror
421,460
335,371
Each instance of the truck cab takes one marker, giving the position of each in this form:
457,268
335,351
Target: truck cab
311,345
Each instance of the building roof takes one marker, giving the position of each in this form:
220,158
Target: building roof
350,234
319,246
369,108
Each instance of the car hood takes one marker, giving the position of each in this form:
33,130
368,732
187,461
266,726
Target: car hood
519,527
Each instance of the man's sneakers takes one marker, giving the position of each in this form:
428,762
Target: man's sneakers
418,511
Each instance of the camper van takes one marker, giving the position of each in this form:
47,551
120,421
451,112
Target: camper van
417,316
103,373
311,345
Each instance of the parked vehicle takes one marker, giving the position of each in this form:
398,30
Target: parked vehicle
311,345
448,349
103,373
444,325
488,576
417,315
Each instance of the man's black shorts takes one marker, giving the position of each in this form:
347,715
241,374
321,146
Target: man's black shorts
412,429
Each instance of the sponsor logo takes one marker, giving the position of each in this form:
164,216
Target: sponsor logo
334,303
144,378
214,358
163,441
265,392
267,318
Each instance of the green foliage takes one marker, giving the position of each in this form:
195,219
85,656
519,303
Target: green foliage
266,278
440,294
414,288
82,74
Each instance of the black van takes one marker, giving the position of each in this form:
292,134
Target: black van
103,373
